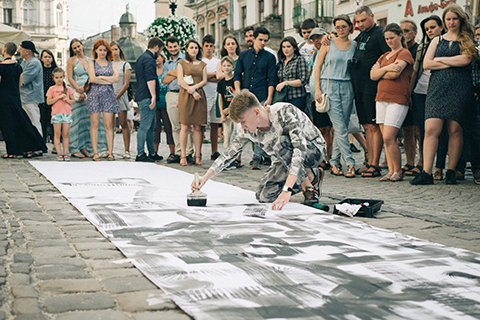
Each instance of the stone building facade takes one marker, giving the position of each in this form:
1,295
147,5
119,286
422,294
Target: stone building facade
44,20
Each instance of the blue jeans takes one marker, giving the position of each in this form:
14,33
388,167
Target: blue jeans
340,96
147,127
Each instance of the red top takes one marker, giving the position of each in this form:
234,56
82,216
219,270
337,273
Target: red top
396,90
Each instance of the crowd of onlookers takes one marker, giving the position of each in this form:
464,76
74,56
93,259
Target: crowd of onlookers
373,88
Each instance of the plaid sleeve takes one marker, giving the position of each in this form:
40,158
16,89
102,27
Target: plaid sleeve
302,68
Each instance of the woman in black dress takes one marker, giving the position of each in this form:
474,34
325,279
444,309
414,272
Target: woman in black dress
17,129
449,91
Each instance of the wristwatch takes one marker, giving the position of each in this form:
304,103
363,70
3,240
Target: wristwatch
287,189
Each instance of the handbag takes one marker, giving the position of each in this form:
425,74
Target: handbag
324,106
279,96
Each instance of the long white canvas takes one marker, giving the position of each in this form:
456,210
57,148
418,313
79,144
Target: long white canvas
236,259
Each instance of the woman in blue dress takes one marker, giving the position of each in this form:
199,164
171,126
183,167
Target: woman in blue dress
101,96
77,71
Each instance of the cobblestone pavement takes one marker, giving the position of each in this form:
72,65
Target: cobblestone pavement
55,265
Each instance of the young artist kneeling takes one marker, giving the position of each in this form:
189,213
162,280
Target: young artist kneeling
281,130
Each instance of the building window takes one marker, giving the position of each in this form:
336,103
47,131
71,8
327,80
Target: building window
275,8
47,15
27,12
261,7
202,33
59,14
382,22
244,17
7,12
59,58
212,30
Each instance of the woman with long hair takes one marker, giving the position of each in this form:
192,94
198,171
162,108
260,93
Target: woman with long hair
448,57
292,73
192,103
231,48
48,64
432,27
77,73
332,76
124,72
393,71
101,96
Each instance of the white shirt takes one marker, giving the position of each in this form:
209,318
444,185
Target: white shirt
210,88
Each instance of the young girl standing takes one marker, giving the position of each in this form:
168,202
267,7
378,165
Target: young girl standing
393,72
61,98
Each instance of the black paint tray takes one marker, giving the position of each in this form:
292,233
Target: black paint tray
365,211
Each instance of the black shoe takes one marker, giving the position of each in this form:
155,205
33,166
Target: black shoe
353,148
155,157
256,164
267,161
310,196
144,158
450,177
173,158
190,159
423,179
215,155
54,151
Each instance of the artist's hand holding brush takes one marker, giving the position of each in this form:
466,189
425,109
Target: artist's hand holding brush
202,180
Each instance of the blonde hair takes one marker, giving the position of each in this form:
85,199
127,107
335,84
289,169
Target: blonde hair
466,35
242,101
229,59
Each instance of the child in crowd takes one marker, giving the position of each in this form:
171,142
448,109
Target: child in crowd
61,98
225,89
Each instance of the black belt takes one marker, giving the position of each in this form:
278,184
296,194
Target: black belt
177,91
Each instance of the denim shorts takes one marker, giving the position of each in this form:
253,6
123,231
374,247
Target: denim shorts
61,118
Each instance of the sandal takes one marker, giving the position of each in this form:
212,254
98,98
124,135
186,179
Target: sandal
110,157
415,171
96,157
198,161
325,165
350,172
438,175
60,157
126,155
362,169
183,161
28,155
8,156
336,170
77,155
386,177
66,157
37,153
408,169
396,177
376,172
85,153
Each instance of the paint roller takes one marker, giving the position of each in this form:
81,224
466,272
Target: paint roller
197,198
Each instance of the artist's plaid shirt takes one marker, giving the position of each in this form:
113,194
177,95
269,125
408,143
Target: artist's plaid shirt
297,68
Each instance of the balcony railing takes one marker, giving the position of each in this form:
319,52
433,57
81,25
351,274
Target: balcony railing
313,9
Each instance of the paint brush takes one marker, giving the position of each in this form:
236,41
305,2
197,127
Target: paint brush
197,198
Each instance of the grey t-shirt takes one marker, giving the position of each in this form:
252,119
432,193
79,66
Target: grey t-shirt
121,77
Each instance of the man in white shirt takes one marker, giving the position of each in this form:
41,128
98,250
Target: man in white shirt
210,90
